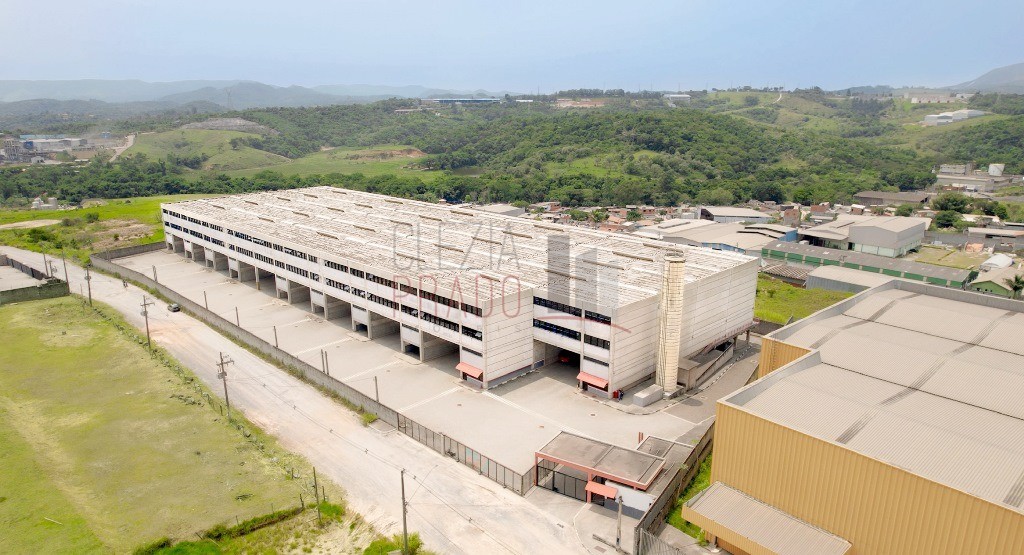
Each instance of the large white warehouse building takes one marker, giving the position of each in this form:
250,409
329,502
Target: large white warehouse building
508,294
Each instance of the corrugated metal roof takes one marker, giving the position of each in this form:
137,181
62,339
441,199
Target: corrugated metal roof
734,212
764,524
849,275
872,260
931,383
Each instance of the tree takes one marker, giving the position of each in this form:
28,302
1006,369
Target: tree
992,208
951,202
633,216
768,191
947,218
599,215
578,215
905,209
1015,285
751,100
908,180
715,197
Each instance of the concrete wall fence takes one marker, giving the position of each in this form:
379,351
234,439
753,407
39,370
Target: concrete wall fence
657,514
50,288
520,483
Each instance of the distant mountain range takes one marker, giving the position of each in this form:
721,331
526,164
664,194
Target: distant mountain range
1006,79
236,95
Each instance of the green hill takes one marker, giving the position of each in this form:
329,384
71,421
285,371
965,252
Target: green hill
214,148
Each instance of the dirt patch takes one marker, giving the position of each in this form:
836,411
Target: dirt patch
386,154
30,224
119,233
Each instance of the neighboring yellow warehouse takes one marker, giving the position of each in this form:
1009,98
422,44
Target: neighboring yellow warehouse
890,423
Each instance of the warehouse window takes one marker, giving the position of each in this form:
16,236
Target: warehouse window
548,326
561,307
470,332
597,342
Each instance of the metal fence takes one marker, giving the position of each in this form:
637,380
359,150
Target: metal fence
649,544
519,483
559,482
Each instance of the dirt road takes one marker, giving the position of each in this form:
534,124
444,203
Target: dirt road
453,508
119,150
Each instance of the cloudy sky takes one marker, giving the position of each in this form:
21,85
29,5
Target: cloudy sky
518,45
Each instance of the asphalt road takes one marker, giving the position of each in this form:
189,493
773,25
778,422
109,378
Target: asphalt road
453,508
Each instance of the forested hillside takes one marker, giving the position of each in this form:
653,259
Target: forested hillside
629,152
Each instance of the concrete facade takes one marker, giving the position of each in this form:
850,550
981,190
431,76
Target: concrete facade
504,293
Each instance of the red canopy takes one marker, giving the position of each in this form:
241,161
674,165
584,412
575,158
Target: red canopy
601,489
599,383
469,370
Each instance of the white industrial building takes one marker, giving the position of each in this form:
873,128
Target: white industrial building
890,236
733,214
508,294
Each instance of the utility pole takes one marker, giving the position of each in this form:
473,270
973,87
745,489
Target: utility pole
47,267
223,375
146,303
376,391
237,321
275,337
64,258
154,274
618,527
405,528
206,303
316,487
88,282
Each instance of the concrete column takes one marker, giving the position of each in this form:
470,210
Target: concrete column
670,315
381,326
220,261
335,308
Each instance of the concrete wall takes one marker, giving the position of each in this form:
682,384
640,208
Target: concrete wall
52,289
49,289
508,335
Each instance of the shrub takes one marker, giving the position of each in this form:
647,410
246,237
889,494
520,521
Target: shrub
153,547
383,546
368,418
92,217
249,526
331,510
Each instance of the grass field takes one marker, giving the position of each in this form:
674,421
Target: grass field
215,144
776,300
952,258
121,223
378,160
105,448
246,161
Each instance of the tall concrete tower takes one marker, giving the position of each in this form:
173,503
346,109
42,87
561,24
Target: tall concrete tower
671,323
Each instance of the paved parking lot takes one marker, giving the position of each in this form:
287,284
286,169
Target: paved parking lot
12,278
508,423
